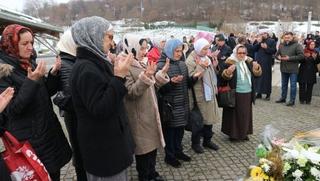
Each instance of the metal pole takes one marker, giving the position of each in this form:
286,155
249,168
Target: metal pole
309,22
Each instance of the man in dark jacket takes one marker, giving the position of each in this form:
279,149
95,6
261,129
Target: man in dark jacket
223,49
98,90
290,53
265,49
231,41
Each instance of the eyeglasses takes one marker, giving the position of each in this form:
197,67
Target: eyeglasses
110,36
242,53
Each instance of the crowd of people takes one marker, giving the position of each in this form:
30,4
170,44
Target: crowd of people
127,101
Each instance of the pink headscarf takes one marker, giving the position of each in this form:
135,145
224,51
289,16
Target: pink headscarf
205,35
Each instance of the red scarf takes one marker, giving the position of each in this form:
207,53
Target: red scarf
9,43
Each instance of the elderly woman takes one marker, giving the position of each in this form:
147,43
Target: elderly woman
98,90
205,91
142,107
239,73
176,94
29,115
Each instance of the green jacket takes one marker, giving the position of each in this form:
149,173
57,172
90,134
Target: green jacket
295,52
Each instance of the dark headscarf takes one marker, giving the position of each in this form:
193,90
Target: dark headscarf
10,43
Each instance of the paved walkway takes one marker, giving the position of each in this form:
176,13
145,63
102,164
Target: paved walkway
233,159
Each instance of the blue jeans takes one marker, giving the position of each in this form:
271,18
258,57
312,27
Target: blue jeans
293,85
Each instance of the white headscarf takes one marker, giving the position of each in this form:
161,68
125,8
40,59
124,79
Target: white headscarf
156,40
200,44
244,70
66,43
209,77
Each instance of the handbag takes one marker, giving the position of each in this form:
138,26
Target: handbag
165,109
21,160
195,121
226,96
63,101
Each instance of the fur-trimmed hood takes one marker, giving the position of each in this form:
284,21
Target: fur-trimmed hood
5,70
231,61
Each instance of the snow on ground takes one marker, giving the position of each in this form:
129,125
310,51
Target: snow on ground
134,26
279,27
165,32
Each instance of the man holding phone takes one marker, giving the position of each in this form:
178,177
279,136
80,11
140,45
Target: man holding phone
290,53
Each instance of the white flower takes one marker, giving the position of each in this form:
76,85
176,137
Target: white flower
315,172
302,161
297,174
265,167
286,168
314,149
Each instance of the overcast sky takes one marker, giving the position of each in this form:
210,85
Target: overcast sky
18,4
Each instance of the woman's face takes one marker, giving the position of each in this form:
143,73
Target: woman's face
177,53
107,41
162,44
143,50
204,51
241,53
312,45
25,45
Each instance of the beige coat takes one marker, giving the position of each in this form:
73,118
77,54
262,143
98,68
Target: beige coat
142,109
209,109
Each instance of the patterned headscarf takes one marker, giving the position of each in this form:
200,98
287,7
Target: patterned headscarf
89,32
10,43
308,50
132,43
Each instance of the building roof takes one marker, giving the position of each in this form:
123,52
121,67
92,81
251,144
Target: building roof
37,25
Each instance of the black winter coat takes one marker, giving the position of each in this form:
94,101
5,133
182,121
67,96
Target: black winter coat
64,102
265,58
308,70
105,141
30,116
176,94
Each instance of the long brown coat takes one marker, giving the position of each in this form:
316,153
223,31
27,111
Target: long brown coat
142,109
208,109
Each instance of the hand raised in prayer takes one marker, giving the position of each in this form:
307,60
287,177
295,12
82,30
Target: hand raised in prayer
151,69
38,73
5,98
56,67
166,66
122,65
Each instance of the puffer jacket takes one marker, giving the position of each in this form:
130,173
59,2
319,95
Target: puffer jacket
176,94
